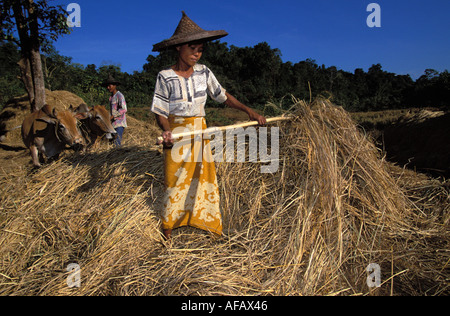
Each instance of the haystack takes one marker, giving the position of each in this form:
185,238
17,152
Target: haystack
334,207
15,111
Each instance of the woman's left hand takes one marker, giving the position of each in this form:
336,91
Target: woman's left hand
256,117
232,102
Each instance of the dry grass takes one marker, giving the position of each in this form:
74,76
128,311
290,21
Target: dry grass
312,228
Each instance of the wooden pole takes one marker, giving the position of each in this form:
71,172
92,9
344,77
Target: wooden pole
224,128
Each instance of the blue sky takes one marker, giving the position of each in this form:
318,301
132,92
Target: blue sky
414,35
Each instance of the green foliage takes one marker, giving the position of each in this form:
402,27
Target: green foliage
10,85
52,21
432,89
257,76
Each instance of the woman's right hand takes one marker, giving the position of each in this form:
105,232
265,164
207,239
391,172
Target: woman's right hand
166,136
167,139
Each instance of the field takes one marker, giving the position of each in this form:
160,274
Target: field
334,207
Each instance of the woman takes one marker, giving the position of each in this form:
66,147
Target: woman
192,195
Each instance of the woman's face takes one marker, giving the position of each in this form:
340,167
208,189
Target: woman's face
190,54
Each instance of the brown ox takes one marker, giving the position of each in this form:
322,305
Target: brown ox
96,123
47,132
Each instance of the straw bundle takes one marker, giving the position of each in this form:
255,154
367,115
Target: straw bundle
312,228
332,210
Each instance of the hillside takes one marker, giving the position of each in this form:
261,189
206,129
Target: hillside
312,228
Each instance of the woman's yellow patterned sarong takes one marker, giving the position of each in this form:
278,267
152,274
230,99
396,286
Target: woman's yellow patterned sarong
192,193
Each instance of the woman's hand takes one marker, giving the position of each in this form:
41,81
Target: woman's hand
167,139
253,116
232,102
166,135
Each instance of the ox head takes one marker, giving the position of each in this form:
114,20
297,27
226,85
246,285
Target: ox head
99,119
65,125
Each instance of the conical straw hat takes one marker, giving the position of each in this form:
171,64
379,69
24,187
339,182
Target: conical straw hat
186,32
110,80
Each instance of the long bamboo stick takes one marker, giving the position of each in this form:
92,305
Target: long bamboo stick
224,128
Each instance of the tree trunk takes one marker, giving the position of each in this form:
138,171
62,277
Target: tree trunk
30,64
38,80
25,75
35,59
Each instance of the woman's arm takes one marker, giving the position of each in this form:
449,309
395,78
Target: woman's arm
163,123
232,102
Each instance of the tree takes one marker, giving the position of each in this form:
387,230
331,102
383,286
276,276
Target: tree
54,67
10,86
35,23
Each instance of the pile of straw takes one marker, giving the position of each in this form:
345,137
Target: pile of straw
312,228
16,109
